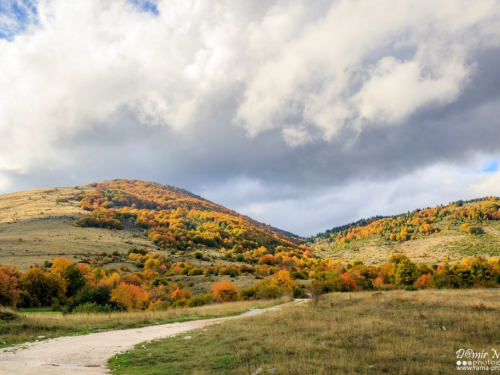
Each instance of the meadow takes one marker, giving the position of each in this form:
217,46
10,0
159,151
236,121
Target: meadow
392,332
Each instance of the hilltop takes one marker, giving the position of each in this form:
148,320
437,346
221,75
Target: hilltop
431,235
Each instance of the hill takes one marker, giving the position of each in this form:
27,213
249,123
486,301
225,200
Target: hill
432,235
75,222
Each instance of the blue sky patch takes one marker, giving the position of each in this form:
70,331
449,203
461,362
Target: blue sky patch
146,6
16,16
491,167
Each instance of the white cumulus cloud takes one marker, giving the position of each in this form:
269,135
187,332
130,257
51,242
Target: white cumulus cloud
307,71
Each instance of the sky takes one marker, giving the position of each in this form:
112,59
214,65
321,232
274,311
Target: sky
303,115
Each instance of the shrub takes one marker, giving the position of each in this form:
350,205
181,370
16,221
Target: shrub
180,303
249,293
248,269
92,307
297,292
267,291
411,288
224,291
423,281
100,296
195,272
201,300
135,250
301,275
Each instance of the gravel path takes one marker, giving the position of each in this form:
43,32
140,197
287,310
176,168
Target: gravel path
89,354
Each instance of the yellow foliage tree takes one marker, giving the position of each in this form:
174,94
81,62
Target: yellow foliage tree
112,281
98,274
59,265
282,279
151,263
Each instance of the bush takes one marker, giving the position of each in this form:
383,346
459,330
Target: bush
90,221
248,269
195,272
201,300
297,292
411,288
92,307
135,250
100,296
180,303
224,291
249,293
158,281
267,291
301,275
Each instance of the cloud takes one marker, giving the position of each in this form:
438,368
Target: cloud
369,63
302,99
325,208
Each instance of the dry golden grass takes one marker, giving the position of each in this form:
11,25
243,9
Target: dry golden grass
448,245
359,333
35,228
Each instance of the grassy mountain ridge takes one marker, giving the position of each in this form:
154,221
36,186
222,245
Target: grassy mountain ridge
441,233
37,225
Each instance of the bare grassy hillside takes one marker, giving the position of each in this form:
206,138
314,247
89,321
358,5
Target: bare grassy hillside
35,227
432,236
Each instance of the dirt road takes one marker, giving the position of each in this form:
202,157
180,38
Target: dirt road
88,354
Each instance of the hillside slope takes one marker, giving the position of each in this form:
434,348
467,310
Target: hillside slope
432,235
95,220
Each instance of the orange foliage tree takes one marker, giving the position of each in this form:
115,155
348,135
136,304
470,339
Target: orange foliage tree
423,281
131,296
177,295
224,291
9,291
347,283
